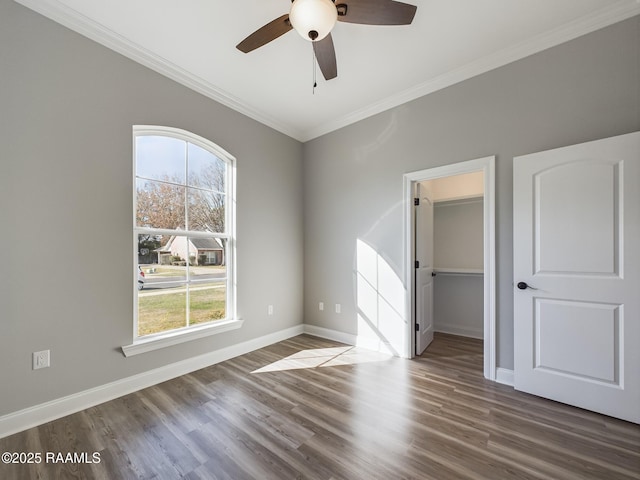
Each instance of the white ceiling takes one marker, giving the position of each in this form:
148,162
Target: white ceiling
193,42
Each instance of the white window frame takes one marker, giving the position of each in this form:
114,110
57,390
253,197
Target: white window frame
231,322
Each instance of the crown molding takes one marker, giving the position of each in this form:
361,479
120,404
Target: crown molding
70,18
617,12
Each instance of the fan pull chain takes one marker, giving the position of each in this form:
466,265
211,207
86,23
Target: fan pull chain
313,67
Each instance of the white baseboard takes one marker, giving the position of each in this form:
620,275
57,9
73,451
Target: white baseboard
504,376
329,334
37,415
460,330
350,339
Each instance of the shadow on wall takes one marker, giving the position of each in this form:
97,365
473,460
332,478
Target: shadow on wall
380,296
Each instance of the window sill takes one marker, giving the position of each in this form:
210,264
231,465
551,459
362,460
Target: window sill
156,342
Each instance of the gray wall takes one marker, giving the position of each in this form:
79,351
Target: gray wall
582,90
458,304
458,300
67,106
458,229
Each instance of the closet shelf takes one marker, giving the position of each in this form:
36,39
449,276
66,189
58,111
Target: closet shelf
458,271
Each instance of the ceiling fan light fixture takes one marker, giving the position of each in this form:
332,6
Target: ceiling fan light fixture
313,19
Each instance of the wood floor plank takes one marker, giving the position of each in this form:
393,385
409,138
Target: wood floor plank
310,408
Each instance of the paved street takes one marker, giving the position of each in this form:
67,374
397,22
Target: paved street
159,279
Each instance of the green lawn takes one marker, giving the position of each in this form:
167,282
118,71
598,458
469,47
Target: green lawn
159,313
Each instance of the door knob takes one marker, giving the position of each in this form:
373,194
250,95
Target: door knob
524,286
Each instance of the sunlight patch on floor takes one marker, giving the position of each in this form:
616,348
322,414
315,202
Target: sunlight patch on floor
324,357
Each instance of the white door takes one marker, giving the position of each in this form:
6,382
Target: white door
576,220
424,270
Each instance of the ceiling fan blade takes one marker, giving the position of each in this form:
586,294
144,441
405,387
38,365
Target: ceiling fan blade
375,12
265,34
326,57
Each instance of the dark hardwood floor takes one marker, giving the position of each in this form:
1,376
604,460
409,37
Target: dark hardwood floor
316,409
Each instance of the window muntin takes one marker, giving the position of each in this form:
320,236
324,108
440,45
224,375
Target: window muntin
183,231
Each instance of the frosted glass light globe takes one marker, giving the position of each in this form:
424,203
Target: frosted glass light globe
313,19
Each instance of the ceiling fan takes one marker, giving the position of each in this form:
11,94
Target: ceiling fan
314,20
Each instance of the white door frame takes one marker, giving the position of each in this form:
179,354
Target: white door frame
487,166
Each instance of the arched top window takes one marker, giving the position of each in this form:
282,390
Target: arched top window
183,226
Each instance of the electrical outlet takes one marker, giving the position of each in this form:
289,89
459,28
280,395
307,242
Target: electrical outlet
270,310
41,359
321,306
338,308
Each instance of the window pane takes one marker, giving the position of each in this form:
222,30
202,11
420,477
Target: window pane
161,158
206,211
160,205
161,261
149,248
205,169
162,310
170,276
207,302
204,253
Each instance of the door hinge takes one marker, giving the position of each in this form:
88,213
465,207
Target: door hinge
417,327
417,264
416,201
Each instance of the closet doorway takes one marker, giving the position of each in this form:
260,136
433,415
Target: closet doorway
450,251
